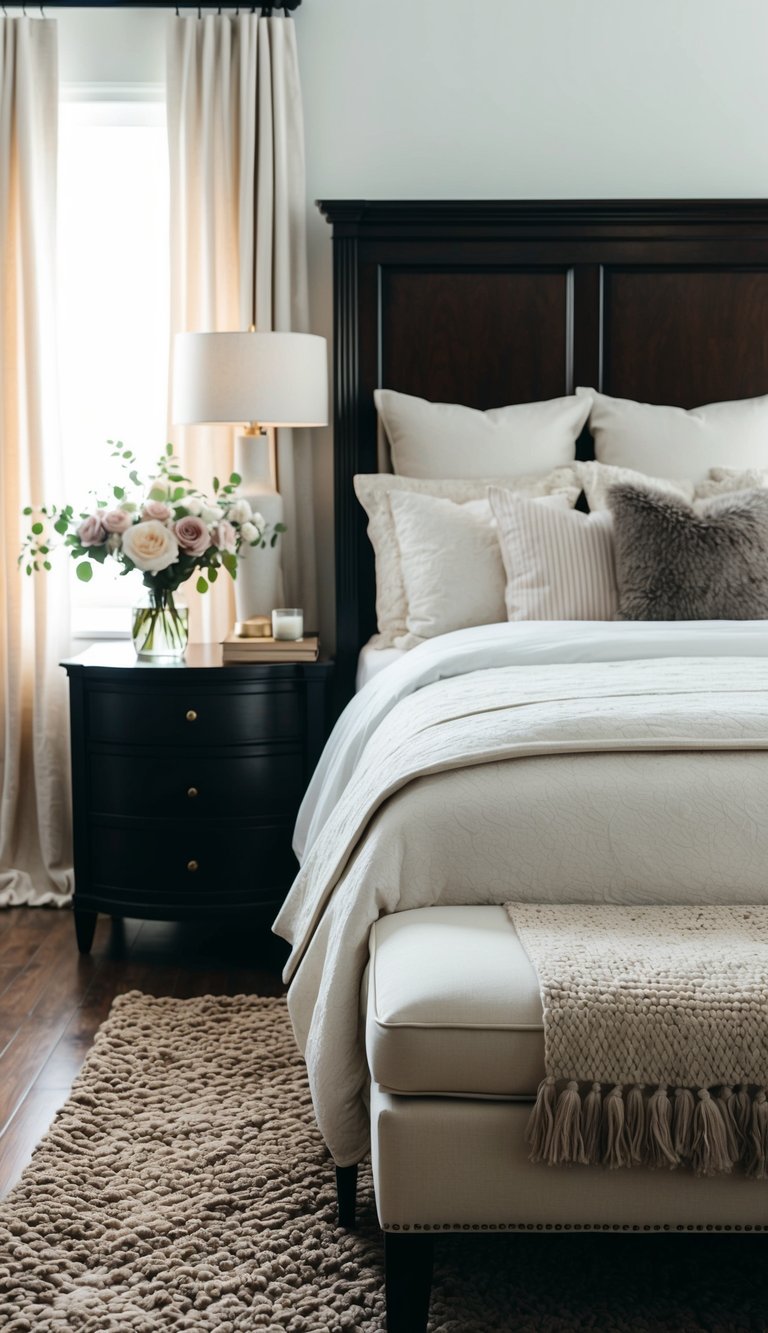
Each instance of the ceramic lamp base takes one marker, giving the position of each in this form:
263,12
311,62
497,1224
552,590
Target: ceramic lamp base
258,586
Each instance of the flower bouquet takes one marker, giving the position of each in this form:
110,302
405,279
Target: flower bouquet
166,529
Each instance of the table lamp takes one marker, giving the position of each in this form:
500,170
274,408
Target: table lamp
262,380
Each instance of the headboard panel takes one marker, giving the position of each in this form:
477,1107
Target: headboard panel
490,302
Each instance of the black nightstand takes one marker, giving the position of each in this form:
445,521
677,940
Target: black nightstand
186,782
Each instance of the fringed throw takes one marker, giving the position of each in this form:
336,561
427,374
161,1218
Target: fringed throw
655,1036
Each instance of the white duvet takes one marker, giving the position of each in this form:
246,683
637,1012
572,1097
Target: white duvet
575,762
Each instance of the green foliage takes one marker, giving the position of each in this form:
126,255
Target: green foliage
129,492
229,561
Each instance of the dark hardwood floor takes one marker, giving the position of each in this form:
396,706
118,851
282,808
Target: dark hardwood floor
52,999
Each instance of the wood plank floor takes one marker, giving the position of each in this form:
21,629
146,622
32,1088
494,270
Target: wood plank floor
52,999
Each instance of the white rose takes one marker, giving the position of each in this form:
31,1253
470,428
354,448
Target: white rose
250,533
193,505
211,513
240,512
260,521
150,546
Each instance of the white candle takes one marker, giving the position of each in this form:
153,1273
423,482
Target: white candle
288,622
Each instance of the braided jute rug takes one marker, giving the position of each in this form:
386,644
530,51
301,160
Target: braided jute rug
184,1186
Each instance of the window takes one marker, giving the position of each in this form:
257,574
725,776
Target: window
113,314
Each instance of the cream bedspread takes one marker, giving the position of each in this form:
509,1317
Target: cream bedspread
633,781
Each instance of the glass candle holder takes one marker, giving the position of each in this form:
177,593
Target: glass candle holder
288,623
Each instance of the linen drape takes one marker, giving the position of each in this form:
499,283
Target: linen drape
238,243
35,820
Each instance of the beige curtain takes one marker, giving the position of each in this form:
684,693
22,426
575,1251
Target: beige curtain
236,138
35,852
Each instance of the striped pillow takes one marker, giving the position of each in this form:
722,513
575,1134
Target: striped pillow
559,563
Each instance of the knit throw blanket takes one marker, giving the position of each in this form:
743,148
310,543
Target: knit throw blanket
655,1035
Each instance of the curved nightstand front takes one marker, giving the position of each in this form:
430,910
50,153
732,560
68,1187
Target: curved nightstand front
186,781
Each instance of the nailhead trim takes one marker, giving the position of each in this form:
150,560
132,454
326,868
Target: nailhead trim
571,1226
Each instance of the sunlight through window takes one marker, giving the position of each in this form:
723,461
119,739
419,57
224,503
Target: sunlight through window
113,299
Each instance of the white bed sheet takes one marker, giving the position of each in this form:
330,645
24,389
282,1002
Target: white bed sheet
522,643
373,660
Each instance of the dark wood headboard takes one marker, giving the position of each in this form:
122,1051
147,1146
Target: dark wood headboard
491,302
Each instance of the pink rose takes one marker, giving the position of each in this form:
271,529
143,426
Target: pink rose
192,535
156,509
91,531
224,536
114,520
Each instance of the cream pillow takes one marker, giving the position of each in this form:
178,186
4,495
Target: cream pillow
596,478
451,563
447,440
559,563
670,442
724,480
373,491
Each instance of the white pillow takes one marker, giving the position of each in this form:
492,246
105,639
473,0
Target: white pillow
373,491
670,442
596,478
447,440
559,563
450,562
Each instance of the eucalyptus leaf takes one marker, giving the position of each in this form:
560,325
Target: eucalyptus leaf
84,572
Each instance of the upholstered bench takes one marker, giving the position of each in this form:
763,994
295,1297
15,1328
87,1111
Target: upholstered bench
455,1047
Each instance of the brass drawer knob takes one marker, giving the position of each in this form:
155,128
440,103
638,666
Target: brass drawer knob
192,792
191,715
192,865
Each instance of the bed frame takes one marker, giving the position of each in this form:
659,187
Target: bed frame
494,302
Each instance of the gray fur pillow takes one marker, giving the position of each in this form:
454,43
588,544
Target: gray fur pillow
676,561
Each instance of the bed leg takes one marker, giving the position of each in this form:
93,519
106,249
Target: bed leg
346,1194
408,1277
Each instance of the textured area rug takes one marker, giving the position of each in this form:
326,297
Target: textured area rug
184,1186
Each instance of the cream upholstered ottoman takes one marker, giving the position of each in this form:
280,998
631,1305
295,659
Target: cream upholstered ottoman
455,1048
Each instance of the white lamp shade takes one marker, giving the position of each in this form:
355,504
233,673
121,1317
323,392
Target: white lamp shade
275,379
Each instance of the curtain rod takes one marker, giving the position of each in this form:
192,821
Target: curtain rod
285,5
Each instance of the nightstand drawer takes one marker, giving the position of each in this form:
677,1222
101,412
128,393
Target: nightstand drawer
193,716
192,859
198,787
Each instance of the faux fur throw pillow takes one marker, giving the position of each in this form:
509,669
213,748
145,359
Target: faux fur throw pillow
676,561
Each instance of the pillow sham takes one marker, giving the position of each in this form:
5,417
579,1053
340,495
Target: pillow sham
597,478
670,442
373,491
559,563
448,440
451,564
675,561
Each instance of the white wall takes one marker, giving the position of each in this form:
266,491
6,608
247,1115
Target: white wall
497,99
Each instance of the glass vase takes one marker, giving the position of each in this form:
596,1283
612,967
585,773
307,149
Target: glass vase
160,626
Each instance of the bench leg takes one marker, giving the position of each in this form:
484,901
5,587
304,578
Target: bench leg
346,1194
408,1278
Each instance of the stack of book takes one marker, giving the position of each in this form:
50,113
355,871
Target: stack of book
237,649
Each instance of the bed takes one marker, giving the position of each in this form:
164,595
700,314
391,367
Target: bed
593,761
